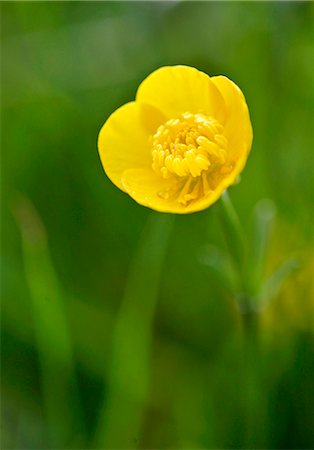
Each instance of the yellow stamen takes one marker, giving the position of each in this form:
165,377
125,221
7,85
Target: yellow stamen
192,146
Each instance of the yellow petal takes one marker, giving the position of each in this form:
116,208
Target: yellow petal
237,127
149,189
178,89
123,141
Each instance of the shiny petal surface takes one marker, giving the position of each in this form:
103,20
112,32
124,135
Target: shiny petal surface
237,127
178,89
147,189
124,140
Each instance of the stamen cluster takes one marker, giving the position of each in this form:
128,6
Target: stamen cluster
189,146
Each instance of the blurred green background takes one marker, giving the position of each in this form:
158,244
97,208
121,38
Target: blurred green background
116,332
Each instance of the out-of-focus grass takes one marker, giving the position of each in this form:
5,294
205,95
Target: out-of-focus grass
57,369
65,67
129,377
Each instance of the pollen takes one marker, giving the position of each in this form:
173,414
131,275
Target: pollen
189,146
193,150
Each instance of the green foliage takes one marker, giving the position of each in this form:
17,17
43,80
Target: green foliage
115,322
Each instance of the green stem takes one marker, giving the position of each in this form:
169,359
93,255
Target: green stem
234,233
238,248
237,244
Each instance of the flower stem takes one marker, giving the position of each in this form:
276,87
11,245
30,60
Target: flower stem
238,247
234,233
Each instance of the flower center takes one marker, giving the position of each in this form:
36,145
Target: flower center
192,149
189,146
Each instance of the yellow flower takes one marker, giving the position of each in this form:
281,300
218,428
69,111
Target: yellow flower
181,143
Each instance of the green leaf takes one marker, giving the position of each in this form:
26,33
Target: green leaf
220,266
273,284
264,214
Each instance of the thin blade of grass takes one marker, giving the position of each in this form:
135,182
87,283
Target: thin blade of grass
59,384
121,415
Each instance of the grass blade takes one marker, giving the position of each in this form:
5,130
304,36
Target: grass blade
59,385
122,413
